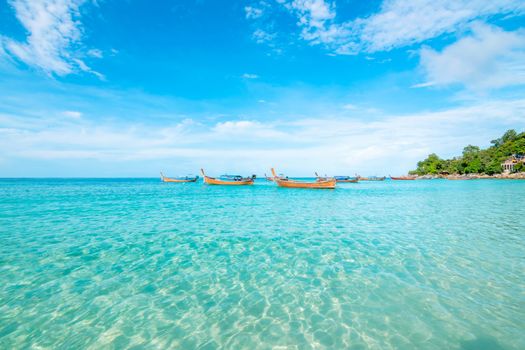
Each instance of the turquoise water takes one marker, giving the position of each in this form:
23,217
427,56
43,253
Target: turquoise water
135,263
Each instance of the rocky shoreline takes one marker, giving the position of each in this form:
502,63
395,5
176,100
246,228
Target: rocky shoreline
512,176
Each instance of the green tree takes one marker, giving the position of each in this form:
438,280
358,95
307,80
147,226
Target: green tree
470,151
474,166
431,165
476,160
510,135
494,167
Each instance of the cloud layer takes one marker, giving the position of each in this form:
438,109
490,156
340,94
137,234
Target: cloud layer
331,143
397,23
54,33
488,58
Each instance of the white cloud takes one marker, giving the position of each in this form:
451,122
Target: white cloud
316,18
54,34
261,36
253,12
488,58
398,23
95,53
72,114
422,85
248,131
401,23
250,76
328,142
84,67
314,11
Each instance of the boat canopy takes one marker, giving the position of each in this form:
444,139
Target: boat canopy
187,177
231,177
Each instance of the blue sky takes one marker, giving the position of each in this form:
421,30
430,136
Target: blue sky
114,88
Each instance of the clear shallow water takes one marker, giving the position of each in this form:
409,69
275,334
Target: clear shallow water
375,265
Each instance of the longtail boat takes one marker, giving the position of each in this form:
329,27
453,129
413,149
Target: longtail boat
370,178
178,179
346,179
320,183
230,180
320,178
403,177
268,178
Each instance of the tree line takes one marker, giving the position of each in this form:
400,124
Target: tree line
475,160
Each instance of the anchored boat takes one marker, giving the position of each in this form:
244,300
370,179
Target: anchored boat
337,178
178,179
268,178
231,180
320,178
346,179
320,183
370,178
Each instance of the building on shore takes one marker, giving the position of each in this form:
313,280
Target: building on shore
509,164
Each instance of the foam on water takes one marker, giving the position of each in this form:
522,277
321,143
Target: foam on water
378,265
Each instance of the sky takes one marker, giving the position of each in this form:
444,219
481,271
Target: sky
106,88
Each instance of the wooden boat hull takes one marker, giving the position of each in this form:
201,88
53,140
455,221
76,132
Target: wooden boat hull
324,184
177,180
339,179
372,178
321,183
213,181
169,179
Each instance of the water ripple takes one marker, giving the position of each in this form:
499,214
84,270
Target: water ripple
139,264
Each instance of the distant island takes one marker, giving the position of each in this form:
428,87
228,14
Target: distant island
504,159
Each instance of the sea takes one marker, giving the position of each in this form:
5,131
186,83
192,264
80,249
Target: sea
141,264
